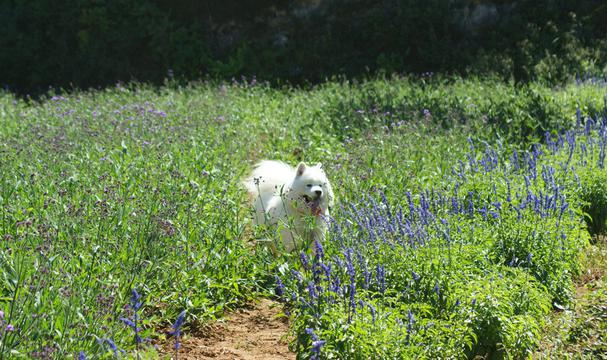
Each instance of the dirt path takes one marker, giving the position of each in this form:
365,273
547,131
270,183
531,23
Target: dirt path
255,332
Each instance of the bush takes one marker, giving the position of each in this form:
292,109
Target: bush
88,44
594,194
515,114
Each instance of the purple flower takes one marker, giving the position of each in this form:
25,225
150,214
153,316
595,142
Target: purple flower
372,310
10,327
180,319
381,278
311,333
319,252
316,343
327,270
304,260
336,285
177,329
111,344
296,275
311,290
127,322
280,287
135,305
135,300
135,329
352,273
82,356
410,323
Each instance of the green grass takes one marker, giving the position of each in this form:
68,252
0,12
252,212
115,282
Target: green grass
579,332
135,187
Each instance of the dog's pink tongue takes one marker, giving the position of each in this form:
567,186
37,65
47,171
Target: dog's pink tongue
315,207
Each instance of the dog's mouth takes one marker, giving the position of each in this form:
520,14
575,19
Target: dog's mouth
313,204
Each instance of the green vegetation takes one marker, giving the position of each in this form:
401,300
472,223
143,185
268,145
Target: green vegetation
453,236
579,332
86,44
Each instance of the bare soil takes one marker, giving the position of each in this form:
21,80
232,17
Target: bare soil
254,332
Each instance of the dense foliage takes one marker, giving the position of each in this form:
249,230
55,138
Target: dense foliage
97,43
467,266
453,236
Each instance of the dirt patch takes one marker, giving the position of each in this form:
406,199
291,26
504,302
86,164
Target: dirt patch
255,332
595,266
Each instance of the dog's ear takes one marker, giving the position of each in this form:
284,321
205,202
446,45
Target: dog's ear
301,168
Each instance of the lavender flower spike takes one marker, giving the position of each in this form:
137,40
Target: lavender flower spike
135,300
177,329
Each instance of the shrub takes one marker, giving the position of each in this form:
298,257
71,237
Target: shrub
90,44
594,194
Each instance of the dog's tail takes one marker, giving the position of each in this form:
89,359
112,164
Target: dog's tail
269,177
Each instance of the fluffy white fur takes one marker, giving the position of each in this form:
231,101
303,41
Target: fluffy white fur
295,200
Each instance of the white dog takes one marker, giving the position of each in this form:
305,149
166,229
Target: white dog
296,201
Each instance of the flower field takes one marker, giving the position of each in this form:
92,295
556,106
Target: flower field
464,210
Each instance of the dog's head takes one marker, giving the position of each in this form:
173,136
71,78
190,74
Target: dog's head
312,187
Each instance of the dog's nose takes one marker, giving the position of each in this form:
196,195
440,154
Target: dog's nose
318,192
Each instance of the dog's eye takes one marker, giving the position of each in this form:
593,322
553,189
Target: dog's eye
309,185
